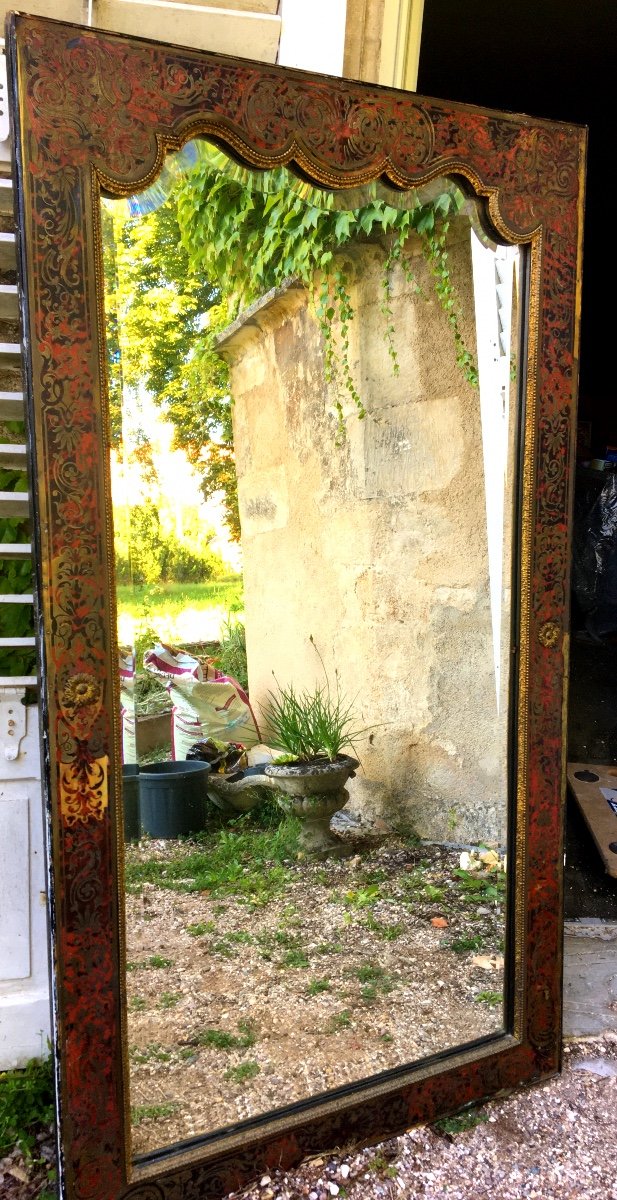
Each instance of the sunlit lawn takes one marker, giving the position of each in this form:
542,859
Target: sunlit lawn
178,612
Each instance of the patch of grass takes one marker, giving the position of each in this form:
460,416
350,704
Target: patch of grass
26,1102
243,1072
169,999
462,945
488,997
316,986
340,1020
152,1112
242,859
460,1122
137,1004
221,1039
201,928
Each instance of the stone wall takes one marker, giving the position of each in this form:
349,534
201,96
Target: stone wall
377,547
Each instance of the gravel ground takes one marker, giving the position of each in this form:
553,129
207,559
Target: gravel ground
554,1142
236,1010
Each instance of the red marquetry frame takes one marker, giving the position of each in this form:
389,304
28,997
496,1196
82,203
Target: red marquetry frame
95,110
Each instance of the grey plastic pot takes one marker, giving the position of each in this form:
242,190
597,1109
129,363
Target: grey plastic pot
173,798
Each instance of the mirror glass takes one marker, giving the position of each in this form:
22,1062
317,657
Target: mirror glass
314,401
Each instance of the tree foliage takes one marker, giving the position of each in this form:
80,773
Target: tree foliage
160,317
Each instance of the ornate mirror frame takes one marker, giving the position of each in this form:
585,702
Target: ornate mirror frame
96,111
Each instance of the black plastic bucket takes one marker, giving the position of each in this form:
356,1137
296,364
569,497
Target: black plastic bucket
173,798
130,801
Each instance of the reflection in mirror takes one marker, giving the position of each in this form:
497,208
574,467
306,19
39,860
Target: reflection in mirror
314,414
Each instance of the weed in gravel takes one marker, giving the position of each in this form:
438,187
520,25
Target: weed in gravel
137,1004
374,980
169,999
486,888
363,897
488,997
461,1122
221,1039
295,958
243,1072
329,948
389,933
386,1038
153,1052
316,986
463,944
155,962
229,941
340,1020
201,928
273,941
419,886
26,1102
151,1112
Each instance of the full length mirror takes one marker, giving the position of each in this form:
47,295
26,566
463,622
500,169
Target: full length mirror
300,417
356,358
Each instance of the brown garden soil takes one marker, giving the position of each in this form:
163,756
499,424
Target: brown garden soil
356,966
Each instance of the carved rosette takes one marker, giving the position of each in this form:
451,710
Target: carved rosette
99,104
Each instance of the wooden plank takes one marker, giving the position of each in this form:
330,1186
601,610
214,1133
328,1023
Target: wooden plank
16,643
245,34
22,598
595,790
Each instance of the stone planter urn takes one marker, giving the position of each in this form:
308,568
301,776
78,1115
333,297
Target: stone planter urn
314,791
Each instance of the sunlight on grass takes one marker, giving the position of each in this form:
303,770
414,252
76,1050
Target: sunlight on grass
179,612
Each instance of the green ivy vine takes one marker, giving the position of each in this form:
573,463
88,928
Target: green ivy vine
252,232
